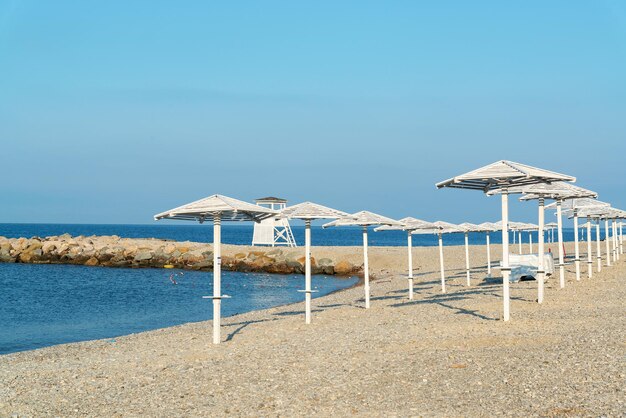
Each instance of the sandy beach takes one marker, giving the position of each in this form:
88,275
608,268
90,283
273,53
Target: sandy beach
437,355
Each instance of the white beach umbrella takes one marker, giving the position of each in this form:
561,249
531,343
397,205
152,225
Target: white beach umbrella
598,213
517,227
467,228
561,191
577,204
308,211
530,227
409,224
441,228
541,192
551,226
487,228
503,175
363,219
217,208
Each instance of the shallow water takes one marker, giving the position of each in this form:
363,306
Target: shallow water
43,305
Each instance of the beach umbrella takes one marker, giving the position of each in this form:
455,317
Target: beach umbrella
598,213
217,208
308,211
503,175
467,228
363,219
540,192
551,226
529,227
488,227
409,224
517,227
561,191
573,206
441,228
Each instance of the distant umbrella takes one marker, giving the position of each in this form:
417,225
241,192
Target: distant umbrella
363,219
467,228
440,229
487,228
409,225
561,191
308,211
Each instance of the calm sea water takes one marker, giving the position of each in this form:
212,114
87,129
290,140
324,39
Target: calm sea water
43,305
242,234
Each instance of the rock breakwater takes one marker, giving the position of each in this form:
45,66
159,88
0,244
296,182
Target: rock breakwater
113,251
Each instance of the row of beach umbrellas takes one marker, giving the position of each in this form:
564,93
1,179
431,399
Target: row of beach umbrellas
503,178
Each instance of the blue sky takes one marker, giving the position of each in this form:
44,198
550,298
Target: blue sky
113,111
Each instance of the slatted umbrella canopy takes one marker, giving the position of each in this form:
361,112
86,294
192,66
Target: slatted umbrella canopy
408,224
503,175
364,219
440,228
560,192
308,211
217,208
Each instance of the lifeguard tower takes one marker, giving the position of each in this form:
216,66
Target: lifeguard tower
273,231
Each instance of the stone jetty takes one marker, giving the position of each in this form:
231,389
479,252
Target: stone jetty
113,251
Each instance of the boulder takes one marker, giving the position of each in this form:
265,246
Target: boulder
279,268
274,252
143,255
324,262
49,246
295,266
262,262
93,261
344,268
302,260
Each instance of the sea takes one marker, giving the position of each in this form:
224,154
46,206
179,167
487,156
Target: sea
44,305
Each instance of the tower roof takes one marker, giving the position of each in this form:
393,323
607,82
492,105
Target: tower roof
270,199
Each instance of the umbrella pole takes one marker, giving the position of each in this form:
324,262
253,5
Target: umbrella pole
530,241
443,274
307,270
540,268
615,240
217,277
519,236
488,255
589,255
467,263
559,220
621,237
576,245
598,248
506,270
606,240
366,272
410,248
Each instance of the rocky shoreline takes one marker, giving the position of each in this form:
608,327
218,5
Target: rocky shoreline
113,251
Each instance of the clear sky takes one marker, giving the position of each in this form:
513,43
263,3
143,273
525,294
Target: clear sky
113,111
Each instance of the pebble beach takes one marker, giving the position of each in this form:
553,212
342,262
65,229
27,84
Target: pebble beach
436,355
